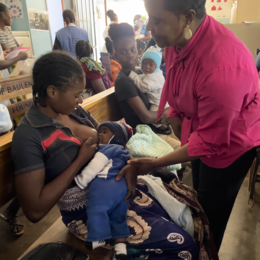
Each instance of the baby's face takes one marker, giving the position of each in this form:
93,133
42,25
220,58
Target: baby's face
148,66
104,134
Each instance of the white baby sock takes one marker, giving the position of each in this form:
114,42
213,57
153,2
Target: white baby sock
120,249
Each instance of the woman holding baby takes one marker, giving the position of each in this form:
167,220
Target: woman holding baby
56,140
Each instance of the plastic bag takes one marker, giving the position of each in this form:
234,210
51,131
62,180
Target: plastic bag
26,66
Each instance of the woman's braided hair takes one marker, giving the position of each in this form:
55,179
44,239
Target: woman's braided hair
83,49
58,69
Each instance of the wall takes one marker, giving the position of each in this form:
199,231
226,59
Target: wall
23,23
55,16
248,34
41,40
248,10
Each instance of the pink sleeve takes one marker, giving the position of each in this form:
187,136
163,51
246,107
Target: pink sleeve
173,113
220,96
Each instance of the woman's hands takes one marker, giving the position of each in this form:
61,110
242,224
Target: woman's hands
22,56
163,119
87,151
144,166
130,173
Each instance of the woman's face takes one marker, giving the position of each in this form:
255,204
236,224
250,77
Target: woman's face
7,18
166,28
126,53
66,102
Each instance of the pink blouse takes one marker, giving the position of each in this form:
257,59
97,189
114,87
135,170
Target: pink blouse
212,85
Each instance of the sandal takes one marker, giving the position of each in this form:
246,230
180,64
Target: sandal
166,131
13,227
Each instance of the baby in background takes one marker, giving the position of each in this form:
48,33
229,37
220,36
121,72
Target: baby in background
152,81
106,205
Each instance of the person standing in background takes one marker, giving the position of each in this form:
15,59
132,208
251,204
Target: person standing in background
67,37
114,65
147,34
7,39
113,19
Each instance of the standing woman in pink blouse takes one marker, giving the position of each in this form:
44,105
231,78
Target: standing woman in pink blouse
212,89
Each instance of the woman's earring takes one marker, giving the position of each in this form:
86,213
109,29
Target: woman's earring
187,32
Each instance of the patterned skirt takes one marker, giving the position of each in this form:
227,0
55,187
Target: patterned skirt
153,233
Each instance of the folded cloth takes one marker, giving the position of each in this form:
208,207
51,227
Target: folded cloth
145,143
178,211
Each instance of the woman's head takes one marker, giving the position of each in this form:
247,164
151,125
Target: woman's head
168,20
112,16
68,16
83,49
58,82
110,46
123,37
5,15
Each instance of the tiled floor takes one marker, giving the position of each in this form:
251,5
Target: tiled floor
241,242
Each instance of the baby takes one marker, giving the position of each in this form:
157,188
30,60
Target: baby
152,81
106,207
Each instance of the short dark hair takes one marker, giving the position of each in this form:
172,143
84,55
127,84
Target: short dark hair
83,49
138,16
3,8
181,6
112,15
119,31
68,16
56,68
109,45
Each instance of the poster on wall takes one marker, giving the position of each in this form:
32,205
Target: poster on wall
219,9
39,20
15,9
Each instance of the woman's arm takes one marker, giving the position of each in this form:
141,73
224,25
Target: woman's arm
4,64
57,45
98,85
179,156
36,198
146,116
147,37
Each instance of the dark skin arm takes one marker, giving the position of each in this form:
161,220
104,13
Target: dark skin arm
98,85
36,198
179,156
145,115
4,64
176,124
147,37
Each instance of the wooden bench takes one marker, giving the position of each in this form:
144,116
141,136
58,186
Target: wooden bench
103,107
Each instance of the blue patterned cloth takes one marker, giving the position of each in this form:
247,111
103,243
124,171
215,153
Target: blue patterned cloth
153,233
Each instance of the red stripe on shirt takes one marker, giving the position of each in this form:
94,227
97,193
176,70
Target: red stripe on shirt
58,134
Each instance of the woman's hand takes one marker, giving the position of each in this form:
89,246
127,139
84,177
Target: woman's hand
22,56
176,124
163,119
144,166
87,151
130,173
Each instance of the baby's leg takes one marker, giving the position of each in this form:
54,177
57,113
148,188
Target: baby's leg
119,228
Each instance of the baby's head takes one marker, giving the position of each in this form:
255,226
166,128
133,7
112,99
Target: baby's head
151,60
115,133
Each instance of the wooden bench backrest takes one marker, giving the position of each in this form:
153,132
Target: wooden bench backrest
14,87
103,107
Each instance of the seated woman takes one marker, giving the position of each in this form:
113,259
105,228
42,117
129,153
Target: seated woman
133,103
96,76
115,66
48,153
